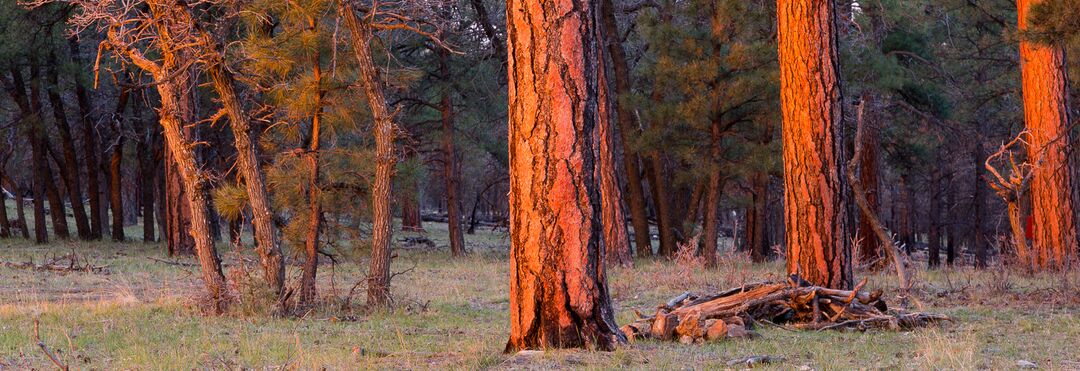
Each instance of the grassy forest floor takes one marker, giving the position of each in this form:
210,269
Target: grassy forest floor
453,313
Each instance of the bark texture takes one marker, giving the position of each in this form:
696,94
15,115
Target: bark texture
817,246
378,289
1046,116
451,173
870,245
558,284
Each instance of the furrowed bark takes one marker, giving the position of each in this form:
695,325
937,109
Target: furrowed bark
817,245
378,290
1046,116
558,288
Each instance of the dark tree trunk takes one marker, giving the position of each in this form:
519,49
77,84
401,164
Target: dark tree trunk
870,246
5,225
69,167
147,176
978,203
116,158
712,200
951,222
626,126
90,149
934,238
451,173
30,115
756,233
558,284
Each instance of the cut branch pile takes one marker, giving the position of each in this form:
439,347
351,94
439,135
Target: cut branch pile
795,304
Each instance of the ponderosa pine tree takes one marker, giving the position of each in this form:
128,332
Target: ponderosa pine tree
1046,116
558,283
817,243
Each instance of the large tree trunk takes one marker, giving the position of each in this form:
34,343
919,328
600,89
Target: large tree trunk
1046,116
625,118
870,245
378,290
451,173
69,168
558,284
247,160
90,148
116,199
817,245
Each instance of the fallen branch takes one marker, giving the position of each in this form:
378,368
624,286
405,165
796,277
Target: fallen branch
55,265
795,304
45,348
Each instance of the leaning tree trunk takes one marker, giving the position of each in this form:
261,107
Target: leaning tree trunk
625,119
558,284
1046,116
378,290
450,165
180,147
817,245
247,159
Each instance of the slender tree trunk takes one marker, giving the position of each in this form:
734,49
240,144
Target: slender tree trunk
147,182
450,165
558,284
308,289
950,229
116,199
378,290
90,148
247,159
615,236
904,204
1046,116
17,191
979,202
5,224
626,125
69,168
870,246
756,234
934,235
662,200
710,232
817,245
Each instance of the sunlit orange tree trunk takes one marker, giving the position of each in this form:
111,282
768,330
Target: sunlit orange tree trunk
1046,115
817,248
558,286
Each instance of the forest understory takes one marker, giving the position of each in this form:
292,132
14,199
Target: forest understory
144,311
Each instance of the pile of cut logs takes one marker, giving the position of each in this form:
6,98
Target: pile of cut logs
795,304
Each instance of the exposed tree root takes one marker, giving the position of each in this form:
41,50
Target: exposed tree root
795,304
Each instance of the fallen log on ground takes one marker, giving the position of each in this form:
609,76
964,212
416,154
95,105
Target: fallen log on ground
795,304
60,264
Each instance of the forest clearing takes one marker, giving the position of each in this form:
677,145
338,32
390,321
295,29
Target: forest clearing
448,315
539,184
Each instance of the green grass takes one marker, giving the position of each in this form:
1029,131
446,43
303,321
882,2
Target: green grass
453,313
